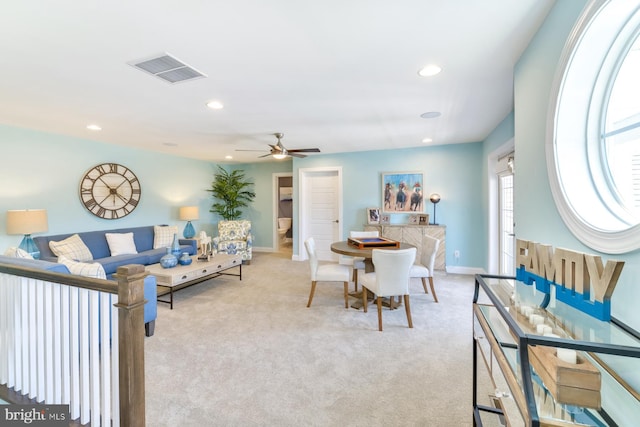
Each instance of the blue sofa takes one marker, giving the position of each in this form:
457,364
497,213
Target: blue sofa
150,290
96,241
143,237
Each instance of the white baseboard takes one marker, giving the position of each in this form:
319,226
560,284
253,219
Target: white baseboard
465,270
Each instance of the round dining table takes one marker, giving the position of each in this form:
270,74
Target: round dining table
344,248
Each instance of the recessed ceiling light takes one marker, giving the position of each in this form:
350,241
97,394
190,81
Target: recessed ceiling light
215,105
429,70
427,140
94,127
431,114
228,157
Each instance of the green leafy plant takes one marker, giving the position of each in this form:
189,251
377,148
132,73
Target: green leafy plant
233,192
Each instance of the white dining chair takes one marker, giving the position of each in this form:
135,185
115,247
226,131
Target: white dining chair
332,272
390,279
357,263
424,268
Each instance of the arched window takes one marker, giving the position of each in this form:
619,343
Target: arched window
593,144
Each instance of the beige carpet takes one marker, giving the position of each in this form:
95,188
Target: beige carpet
249,353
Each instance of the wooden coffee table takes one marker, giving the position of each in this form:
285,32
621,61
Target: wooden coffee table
183,276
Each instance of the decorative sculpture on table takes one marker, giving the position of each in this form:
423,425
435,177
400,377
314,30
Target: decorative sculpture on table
205,243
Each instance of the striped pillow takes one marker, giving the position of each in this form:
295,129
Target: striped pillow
72,247
86,269
163,235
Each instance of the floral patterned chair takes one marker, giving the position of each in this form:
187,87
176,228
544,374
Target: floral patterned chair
234,237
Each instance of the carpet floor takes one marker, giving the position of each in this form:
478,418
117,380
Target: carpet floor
250,353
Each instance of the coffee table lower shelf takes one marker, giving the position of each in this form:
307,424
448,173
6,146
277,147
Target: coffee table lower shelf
171,280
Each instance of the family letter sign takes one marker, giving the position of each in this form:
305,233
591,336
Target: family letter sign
581,280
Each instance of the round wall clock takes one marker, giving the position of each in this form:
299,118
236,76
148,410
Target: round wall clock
110,191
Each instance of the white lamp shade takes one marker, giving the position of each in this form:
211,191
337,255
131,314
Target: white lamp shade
27,221
189,213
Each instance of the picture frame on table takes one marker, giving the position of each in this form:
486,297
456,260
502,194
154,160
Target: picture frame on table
402,192
414,219
423,219
373,215
385,219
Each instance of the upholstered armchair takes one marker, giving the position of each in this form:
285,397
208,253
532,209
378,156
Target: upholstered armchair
234,237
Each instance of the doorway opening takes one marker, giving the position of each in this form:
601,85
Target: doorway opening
283,214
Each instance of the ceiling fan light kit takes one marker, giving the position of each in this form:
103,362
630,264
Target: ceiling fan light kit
279,152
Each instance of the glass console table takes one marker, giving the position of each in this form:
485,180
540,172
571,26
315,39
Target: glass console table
549,363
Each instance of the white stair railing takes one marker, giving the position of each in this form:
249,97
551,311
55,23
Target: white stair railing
60,343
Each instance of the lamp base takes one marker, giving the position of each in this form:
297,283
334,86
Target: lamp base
189,231
29,246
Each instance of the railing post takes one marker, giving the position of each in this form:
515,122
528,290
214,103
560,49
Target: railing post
131,341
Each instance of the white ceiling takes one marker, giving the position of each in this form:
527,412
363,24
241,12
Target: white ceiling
340,75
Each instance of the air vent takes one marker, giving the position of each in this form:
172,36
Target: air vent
168,68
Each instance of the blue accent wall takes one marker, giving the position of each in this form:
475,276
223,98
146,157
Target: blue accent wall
43,171
453,171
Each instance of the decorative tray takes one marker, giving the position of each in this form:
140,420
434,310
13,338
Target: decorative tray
373,242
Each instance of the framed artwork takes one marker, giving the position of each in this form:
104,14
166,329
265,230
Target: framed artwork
286,193
413,219
373,215
402,192
423,219
385,219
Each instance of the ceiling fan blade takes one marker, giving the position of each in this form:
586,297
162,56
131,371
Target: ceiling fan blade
305,150
296,155
266,155
237,149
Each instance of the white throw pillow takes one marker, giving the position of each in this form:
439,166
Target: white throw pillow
72,247
121,243
163,235
86,269
17,253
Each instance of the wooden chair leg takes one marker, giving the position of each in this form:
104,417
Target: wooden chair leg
433,291
355,279
380,313
346,294
424,285
313,289
364,298
408,310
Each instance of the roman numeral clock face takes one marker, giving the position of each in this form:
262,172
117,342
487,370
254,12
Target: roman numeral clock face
110,191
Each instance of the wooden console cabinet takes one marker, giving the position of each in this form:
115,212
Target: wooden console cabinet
412,234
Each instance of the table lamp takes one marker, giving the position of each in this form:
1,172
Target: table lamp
189,213
435,198
27,222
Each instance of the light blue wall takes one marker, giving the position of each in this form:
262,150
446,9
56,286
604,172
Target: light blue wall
260,213
500,136
537,218
453,171
41,170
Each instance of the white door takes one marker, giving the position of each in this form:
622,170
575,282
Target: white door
320,210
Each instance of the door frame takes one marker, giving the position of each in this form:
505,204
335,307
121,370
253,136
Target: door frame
276,200
302,211
493,217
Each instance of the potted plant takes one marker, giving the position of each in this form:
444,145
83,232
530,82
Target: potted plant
232,191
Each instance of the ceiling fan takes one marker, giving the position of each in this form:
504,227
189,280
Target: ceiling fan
278,151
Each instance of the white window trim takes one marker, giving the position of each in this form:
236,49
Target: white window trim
579,196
